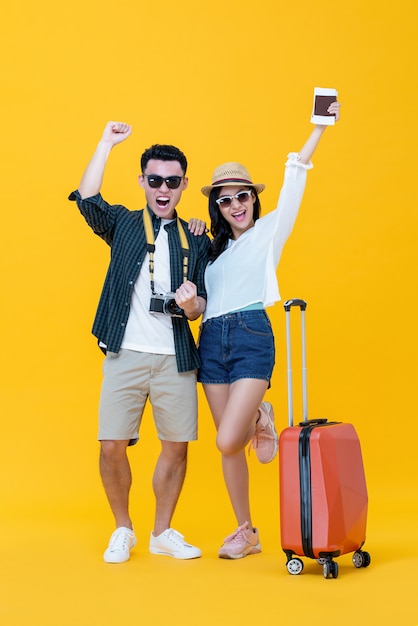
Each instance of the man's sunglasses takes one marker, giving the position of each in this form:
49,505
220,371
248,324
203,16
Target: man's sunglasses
172,182
226,201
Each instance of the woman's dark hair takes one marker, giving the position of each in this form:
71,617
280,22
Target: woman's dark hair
219,227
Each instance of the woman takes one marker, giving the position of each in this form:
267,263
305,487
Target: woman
236,343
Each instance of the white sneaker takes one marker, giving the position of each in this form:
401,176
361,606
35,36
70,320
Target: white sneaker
172,543
120,544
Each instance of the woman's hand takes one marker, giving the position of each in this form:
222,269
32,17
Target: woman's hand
334,109
197,227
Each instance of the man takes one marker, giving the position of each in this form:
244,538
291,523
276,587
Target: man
149,353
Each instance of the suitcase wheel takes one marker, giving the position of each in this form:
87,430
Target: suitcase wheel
330,569
294,566
361,559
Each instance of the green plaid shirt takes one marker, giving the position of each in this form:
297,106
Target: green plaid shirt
123,231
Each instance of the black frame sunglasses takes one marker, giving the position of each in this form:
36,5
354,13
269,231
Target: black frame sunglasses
155,181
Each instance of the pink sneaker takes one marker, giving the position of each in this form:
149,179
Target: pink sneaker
242,542
265,440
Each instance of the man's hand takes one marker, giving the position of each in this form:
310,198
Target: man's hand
116,132
186,298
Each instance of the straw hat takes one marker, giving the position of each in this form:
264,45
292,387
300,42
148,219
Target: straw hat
233,174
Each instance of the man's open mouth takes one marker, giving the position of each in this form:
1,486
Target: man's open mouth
162,202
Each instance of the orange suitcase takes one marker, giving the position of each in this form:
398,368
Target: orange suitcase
323,493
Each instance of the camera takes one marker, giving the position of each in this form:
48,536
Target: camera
165,304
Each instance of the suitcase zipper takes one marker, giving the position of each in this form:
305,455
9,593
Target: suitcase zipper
305,482
305,490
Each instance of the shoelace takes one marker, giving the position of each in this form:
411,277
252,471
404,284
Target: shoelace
120,541
175,537
238,535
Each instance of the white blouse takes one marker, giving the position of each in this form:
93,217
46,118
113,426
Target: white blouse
245,273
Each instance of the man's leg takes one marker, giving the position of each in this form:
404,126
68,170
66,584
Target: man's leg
167,483
116,477
174,401
123,396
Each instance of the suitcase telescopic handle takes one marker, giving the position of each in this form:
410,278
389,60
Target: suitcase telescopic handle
295,302
287,306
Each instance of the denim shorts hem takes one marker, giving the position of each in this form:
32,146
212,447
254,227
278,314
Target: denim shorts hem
233,380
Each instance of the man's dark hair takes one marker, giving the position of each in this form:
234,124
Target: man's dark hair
219,227
161,152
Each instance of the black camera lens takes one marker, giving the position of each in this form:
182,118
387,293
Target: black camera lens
172,307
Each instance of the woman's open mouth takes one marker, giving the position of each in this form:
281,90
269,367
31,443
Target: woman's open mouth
239,216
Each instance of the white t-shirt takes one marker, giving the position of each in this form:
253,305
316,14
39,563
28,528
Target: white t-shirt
146,332
245,273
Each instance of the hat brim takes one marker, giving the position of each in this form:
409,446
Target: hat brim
259,187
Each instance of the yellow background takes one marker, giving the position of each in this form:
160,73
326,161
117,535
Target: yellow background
223,80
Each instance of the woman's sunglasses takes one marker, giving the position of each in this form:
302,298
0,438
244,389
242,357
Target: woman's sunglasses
172,182
226,201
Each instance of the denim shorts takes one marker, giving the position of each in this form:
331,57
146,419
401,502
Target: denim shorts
234,346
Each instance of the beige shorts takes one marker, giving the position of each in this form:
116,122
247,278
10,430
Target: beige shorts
129,379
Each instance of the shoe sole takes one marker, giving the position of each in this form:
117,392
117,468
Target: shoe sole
115,561
275,436
109,559
252,550
174,556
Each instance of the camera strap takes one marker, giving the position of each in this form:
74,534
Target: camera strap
149,234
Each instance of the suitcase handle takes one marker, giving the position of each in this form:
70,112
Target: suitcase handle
314,422
287,307
295,302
